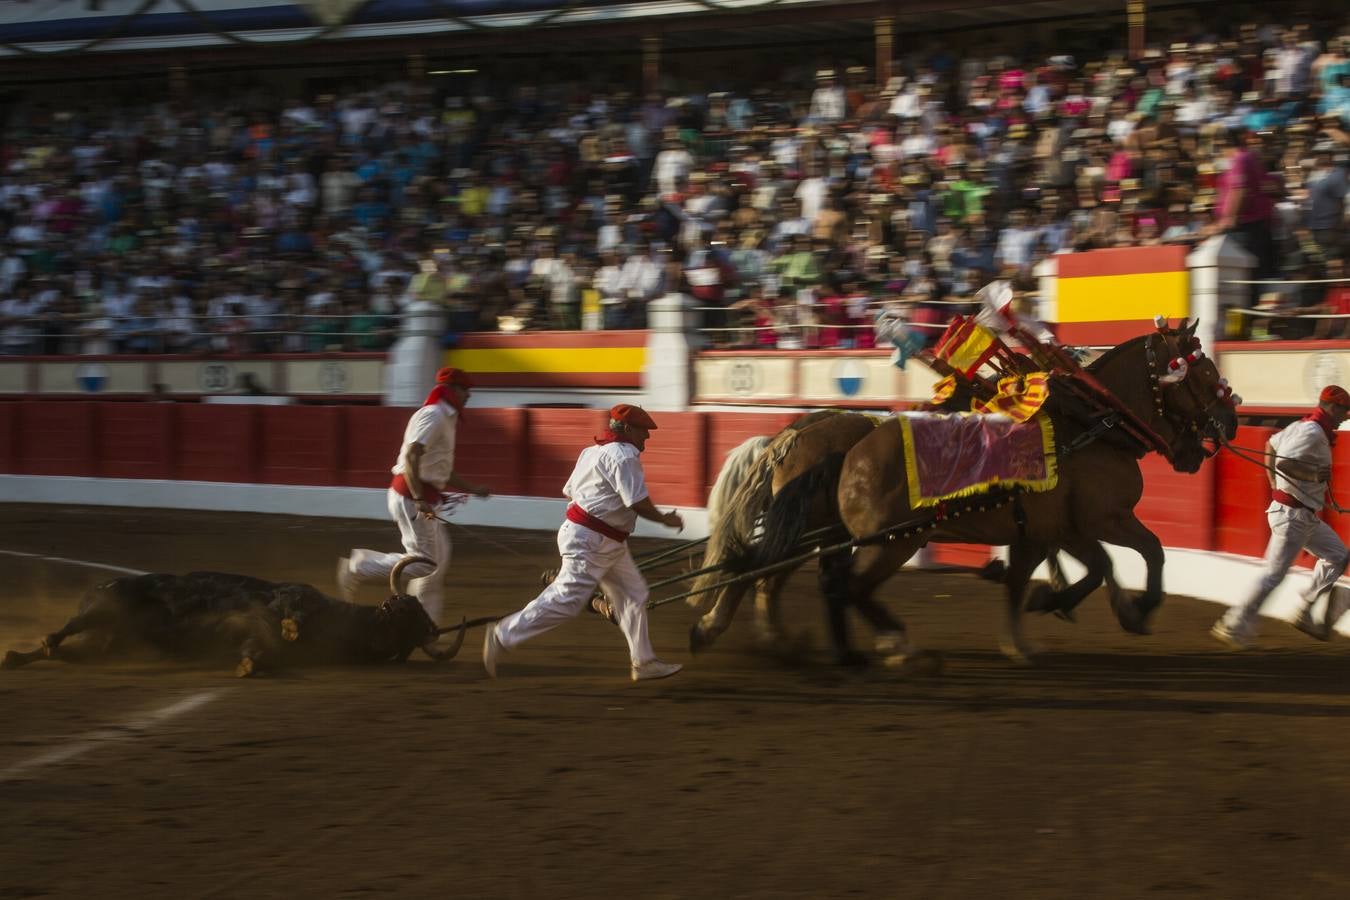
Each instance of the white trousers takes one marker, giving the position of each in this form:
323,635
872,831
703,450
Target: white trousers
588,559
1293,530
421,537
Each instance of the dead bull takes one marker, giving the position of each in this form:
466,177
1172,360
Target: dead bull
261,624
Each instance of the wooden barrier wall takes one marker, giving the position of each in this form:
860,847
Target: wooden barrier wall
529,452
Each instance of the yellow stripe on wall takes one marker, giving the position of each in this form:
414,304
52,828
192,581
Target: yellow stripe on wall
540,359
1117,297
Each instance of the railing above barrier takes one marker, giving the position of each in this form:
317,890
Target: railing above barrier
317,376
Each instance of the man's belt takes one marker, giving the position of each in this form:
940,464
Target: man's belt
1289,499
581,517
430,493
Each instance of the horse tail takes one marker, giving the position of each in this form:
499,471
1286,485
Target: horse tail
725,545
790,512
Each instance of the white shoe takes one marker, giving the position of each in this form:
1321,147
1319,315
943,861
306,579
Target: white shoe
649,671
1311,627
1234,638
492,648
1338,603
346,581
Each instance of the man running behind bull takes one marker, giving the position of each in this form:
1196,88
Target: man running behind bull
608,492
1300,457
423,473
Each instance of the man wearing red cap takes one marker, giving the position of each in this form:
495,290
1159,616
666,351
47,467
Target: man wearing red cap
608,492
423,472
1298,464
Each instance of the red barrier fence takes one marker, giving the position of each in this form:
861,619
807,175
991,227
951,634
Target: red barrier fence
525,452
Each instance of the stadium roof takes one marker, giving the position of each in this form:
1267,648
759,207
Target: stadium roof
149,32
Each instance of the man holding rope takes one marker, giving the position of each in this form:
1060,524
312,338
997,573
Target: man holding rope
423,472
1298,466
608,492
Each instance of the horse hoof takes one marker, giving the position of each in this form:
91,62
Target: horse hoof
290,630
12,660
1067,615
1021,654
698,640
1041,599
921,664
994,570
1133,619
851,659
601,607
245,668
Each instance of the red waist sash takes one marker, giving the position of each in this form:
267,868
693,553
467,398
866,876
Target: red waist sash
1288,499
581,517
430,493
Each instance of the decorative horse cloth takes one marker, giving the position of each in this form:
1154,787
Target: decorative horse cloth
961,454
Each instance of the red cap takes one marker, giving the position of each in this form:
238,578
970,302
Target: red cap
451,375
632,415
1334,393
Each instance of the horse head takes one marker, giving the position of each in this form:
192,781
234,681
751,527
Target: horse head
1190,394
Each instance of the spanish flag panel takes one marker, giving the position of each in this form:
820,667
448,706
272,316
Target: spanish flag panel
542,359
1109,296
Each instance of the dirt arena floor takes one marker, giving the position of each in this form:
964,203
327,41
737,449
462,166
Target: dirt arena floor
1116,767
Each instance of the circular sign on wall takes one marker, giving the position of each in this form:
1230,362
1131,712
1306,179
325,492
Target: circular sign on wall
1320,370
742,378
332,377
91,377
849,376
215,378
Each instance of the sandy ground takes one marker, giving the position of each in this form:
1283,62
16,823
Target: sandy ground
1116,767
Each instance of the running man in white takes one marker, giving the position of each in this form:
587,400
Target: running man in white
423,472
1301,458
608,492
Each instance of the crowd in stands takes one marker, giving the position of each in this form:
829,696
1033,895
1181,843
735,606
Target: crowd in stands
789,212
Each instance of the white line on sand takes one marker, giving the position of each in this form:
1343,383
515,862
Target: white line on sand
74,562
125,731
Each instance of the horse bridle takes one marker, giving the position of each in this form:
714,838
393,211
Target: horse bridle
1181,423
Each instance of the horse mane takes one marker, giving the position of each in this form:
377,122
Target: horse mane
731,533
1108,356
735,469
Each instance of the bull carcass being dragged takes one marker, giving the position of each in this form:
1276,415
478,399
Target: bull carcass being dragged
259,624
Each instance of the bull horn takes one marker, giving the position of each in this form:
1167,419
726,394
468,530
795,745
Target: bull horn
396,574
449,652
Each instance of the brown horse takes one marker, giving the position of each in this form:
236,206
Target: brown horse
736,507
749,478
1099,485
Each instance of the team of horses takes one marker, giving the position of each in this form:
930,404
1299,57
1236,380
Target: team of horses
847,470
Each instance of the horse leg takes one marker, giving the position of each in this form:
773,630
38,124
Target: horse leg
1064,600
772,634
1023,558
869,566
834,586
1058,583
707,629
1130,532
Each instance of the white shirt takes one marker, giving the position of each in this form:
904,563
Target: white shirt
434,428
606,482
1306,442
811,194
